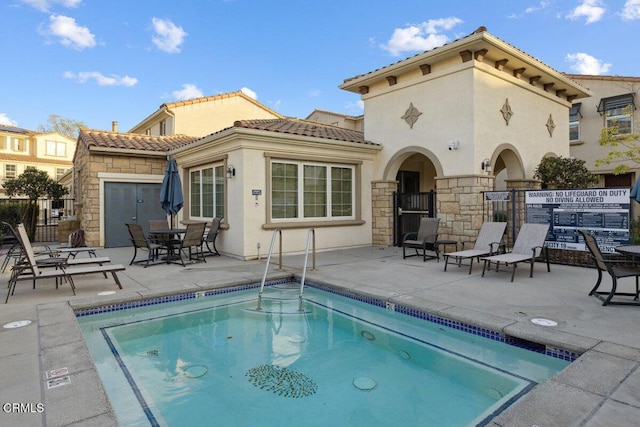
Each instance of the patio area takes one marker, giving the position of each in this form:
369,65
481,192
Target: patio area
602,388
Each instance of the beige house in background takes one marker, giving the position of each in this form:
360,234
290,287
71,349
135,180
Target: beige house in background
21,149
450,119
614,99
202,116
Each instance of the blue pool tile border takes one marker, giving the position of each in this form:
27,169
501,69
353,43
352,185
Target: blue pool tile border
551,351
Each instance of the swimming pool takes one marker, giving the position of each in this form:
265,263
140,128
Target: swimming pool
199,358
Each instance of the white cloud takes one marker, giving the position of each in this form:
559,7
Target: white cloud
424,36
168,36
583,63
5,120
188,91
592,10
70,34
314,93
532,9
631,10
101,79
45,5
249,93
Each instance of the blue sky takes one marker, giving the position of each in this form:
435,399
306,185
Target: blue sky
97,61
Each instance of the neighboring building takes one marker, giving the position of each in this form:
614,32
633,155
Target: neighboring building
614,100
336,119
451,118
21,149
202,116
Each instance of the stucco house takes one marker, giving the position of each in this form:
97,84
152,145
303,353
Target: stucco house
614,101
201,116
21,149
452,119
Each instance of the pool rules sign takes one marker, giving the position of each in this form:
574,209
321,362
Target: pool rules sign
602,211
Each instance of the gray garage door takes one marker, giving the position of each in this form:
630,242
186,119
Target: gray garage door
129,202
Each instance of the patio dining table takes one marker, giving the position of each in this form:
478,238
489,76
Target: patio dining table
173,238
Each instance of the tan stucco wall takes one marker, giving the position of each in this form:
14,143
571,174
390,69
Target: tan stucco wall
591,123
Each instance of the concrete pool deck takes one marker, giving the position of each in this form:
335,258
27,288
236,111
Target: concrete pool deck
601,388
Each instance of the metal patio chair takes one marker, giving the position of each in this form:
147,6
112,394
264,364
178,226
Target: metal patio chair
424,239
616,268
488,243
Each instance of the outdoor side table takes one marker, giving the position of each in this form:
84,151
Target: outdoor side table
445,243
51,262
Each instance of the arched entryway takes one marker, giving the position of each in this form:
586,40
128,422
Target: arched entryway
410,184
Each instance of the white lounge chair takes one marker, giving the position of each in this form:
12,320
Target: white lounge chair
29,269
528,246
488,243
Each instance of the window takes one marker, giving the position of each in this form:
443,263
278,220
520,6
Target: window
18,144
574,122
9,171
163,127
60,173
56,148
206,187
618,112
311,190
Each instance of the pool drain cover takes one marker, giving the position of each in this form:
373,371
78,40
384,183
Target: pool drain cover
544,322
282,381
364,383
16,324
368,335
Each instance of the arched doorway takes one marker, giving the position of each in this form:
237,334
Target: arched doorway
415,197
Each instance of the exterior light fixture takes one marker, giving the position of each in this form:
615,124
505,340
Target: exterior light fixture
231,171
486,165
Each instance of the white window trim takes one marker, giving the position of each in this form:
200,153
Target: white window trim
224,195
300,191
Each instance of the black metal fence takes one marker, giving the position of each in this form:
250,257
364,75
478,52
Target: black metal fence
408,209
50,212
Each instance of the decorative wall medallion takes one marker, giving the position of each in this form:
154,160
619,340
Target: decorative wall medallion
506,111
411,115
550,125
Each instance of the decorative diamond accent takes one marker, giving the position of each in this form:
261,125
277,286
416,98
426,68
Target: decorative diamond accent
550,125
506,111
411,115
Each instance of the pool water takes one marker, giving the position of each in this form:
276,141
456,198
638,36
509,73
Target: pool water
217,360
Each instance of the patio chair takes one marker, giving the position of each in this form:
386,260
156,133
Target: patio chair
192,242
488,243
140,241
211,236
617,269
30,270
528,246
424,239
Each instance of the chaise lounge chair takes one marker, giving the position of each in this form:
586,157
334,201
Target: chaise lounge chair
29,269
424,239
488,243
528,246
617,269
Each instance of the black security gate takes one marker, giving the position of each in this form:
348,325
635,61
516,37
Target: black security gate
408,209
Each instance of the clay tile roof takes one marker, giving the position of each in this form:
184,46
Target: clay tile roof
28,158
132,141
304,128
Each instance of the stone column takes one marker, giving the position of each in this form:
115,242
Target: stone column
459,206
382,211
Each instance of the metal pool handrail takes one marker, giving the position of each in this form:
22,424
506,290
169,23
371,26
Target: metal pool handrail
276,232
311,233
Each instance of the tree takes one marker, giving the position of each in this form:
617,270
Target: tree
625,146
562,172
62,125
34,184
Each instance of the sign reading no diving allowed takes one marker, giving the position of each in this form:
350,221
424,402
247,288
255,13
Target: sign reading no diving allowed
602,211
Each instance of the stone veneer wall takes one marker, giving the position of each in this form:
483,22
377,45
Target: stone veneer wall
459,206
87,166
382,215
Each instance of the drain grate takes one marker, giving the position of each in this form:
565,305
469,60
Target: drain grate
282,381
